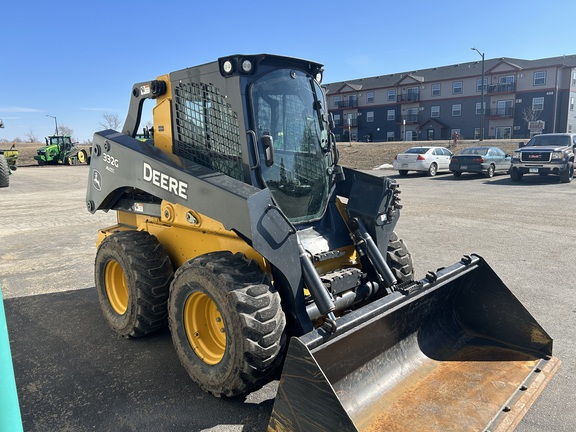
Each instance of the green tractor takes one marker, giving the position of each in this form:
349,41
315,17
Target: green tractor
60,149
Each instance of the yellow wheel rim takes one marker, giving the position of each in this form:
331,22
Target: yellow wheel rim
81,157
205,328
116,287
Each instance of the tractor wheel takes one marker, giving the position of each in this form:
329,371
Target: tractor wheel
4,172
82,156
226,322
399,259
133,274
70,160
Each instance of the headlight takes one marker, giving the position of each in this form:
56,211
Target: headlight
557,155
517,155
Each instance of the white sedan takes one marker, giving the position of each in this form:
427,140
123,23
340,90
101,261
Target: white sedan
425,159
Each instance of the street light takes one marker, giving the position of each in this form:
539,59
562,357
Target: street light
482,109
55,122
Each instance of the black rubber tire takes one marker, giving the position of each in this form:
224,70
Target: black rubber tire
515,175
247,305
457,173
490,172
399,259
433,169
567,175
403,172
4,172
140,259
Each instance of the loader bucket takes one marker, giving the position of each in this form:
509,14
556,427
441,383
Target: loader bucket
455,351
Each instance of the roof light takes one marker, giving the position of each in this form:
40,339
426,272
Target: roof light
247,66
319,77
228,67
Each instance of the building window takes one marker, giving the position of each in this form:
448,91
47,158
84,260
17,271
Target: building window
370,117
436,89
370,97
574,78
538,104
479,84
435,111
413,94
504,108
336,119
337,101
390,136
478,107
457,87
539,78
571,104
456,110
391,115
392,95
476,133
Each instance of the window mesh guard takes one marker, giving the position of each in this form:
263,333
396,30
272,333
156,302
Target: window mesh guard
207,129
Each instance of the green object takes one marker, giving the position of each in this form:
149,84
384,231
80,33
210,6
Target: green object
10,419
60,149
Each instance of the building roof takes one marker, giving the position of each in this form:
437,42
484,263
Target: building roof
462,70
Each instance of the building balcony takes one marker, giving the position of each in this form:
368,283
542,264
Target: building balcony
353,122
500,112
408,97
502,88
410,118
350,103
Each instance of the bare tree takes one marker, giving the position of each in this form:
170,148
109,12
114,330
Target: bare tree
31,136
110,121
65,130
530,114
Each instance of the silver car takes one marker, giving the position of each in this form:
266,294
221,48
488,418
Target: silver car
424,159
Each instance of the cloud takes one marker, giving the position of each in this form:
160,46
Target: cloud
16,109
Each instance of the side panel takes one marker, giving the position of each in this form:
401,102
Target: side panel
125,169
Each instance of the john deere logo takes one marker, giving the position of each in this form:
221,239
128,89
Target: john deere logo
97,180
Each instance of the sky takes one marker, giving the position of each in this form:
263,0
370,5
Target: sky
77,60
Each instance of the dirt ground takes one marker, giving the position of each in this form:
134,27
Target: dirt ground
356,155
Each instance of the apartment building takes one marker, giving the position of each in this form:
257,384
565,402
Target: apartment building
521,98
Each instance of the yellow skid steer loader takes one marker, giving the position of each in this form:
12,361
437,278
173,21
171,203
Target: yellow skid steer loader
237,227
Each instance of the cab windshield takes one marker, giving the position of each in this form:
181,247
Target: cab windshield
289,117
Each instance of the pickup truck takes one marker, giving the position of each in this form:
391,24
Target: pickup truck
545,154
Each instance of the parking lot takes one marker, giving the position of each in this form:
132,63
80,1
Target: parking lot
74,374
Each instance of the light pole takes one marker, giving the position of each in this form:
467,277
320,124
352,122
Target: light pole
482,109
55,122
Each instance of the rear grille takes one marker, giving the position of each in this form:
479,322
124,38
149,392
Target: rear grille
207,130
544,156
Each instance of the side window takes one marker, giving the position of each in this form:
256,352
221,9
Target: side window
447,152
438,152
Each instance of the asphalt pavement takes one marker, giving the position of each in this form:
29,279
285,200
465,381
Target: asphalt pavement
74,374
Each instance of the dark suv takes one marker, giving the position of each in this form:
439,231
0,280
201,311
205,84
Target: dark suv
545,154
